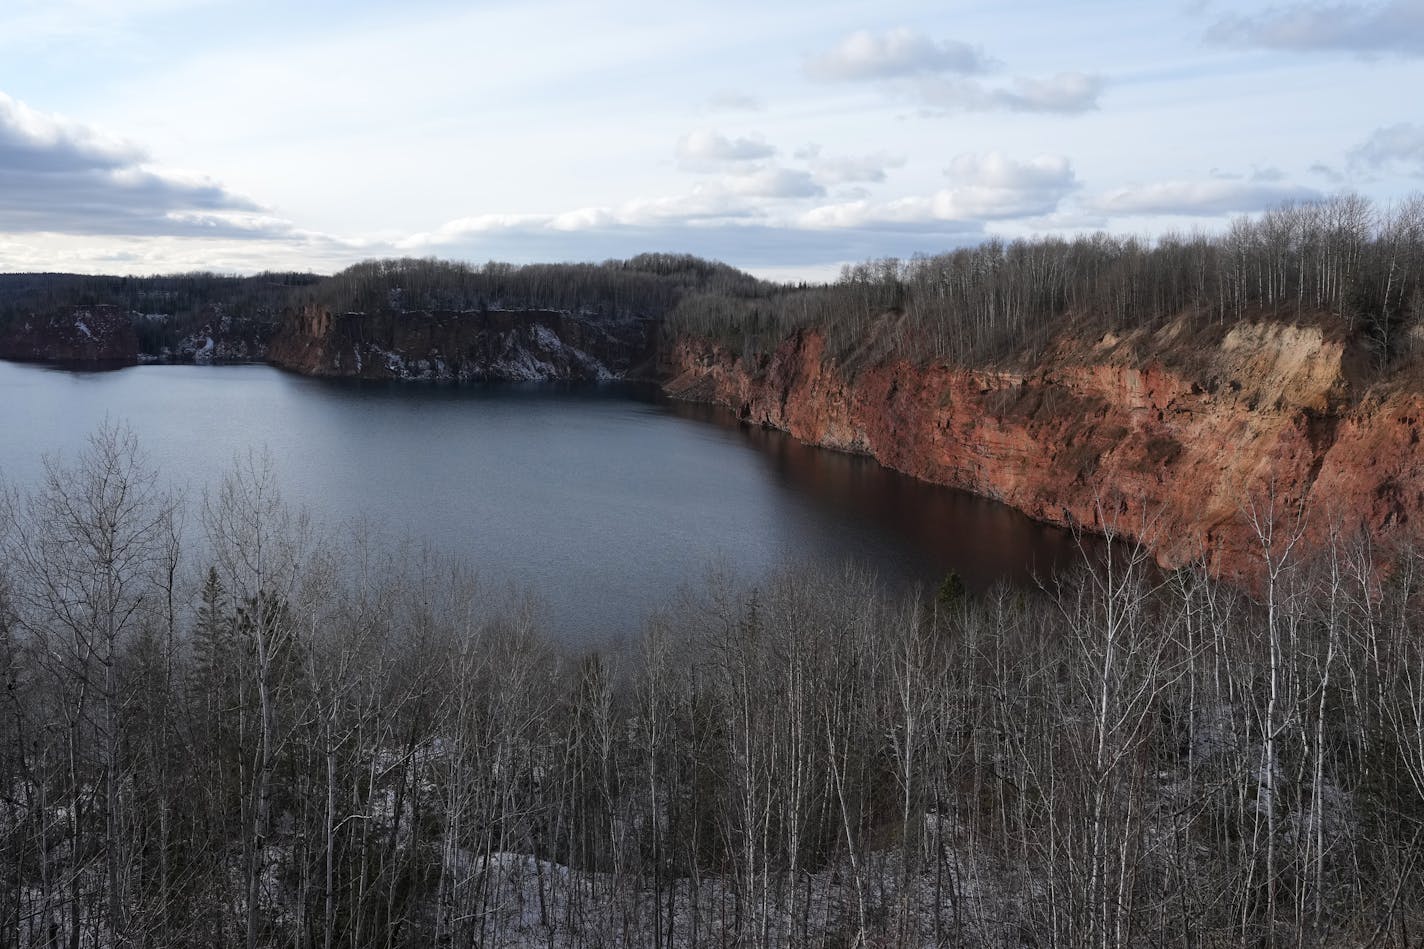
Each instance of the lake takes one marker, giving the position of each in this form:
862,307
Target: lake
604,500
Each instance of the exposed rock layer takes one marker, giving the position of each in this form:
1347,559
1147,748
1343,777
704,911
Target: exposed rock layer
1178,436
493,344
82,336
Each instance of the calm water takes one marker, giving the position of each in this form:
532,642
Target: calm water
604,499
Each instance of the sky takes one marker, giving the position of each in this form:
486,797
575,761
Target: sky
786,137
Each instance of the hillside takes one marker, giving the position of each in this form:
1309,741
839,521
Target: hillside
1168,434
1171,389
421,319
471,345
1185,393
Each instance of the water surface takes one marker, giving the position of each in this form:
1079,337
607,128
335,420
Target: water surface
603,499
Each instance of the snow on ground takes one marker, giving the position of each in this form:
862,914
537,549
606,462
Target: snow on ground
535,353
521,901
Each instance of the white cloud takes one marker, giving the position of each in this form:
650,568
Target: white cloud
775,183
757,242
895,54
986,187
1394,146
117,254
936,73
59,176
847,169
704,204
993,186
1391,27
730,101
1067,93
1207,198
706,150
1326,172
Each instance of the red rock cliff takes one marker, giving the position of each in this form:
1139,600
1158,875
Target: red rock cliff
1173,435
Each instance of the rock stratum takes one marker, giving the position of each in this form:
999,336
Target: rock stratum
1184,437
107,336
506,345
101,336
1188,435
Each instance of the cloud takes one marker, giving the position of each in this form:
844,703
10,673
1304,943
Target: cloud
752,244
743,170
1368,28
706,150
729,101
937,74
1207,198
704,205
119,254
1268,173
774,183
741,200
895,54
1067,93
63,177
987,187
993,186
847,169
1391,147
1326,172
755,215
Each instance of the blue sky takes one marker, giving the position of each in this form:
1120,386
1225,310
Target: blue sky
144,136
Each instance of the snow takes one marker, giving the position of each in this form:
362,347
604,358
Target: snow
538,902
531,352
547,338
83,327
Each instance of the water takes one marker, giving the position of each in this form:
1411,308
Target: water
604,500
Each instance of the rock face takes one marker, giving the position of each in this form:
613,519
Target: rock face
100,336
1175,436
220,339
514,345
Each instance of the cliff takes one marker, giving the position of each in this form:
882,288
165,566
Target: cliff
102,336
211,335
1174,435
468,345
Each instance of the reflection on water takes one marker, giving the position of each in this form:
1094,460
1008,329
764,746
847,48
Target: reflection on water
941,529
602,499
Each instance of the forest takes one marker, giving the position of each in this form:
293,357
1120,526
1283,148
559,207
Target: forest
225,725
994,302
1005,300
164,309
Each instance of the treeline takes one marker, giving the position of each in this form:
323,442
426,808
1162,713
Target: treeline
229,729
170,309
1341,257
167,309
644,287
